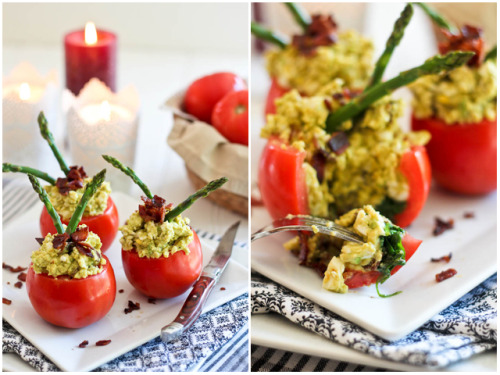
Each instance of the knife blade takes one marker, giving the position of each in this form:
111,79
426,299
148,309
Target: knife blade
193,305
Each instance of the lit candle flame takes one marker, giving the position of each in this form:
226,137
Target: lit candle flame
90,33
105,111
24,91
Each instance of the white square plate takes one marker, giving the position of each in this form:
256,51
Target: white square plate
472,243
126,331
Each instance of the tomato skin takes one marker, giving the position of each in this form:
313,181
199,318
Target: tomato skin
202,95
415,166
463,156
356,279
275,91
104,225
281,179
72,303
230,117
283,187
164,277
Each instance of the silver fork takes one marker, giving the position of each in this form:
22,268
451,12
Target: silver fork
307,223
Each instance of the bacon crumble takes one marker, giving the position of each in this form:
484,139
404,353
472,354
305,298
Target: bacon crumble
73,181
440,226
338,142
132,306
121,291
469,215
102,342
83,344
445,258
6,301
13,269
322,31
154,209
22,276
18,285
152,301
445,274
59,241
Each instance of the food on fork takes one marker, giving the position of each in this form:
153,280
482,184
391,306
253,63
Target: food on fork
65,193
346,265
161,254
315,57
70,283
459,109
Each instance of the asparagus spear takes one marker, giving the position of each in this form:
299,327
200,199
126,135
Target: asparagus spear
432,66
492,54
203,192
438,19
45,199
7,167
300,16
47,135
393,41
129,172
90,190
262,33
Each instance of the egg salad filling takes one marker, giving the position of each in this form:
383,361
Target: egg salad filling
465,95
365,171
338,260
349,58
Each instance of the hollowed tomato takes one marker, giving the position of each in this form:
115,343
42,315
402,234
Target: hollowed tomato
463,156
104,225
283,188
275,91
164,277
72,303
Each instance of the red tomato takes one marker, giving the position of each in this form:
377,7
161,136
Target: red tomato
72,303
463,156
104,225
356,279
230,117
415,166
283,188
275,91
164,277
202,95
282,181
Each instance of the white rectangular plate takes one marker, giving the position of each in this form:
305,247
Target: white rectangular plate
472,243
126,331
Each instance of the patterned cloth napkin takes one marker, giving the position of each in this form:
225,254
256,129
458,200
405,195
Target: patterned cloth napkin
210,333
467,327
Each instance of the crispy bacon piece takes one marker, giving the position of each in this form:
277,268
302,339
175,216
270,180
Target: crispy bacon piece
132,306
83,344
318,162
73,181
39,240
102,342
6,301
445,258
60,240
339,142
222,288
121,291
441,226
18,285
154,209
321,32
445,274
469,215
5,266
22,276
152,301
470,38
80,234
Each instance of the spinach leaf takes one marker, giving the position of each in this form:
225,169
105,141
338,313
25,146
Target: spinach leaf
390,207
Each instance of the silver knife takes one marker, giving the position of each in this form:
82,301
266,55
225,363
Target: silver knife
191,309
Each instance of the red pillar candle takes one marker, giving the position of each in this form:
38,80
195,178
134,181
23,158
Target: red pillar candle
90,53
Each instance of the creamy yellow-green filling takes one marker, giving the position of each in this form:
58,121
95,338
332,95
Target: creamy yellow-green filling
367,171
153,240
65,205
350,58
463,95
56,262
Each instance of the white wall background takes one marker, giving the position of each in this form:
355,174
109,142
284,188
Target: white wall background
184,27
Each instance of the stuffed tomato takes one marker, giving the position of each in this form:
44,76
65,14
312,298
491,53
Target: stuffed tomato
458,108
305,170
347,265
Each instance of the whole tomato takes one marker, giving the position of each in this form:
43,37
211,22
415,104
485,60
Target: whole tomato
230,117
164,277
104,225
275,91
72,303
202,95
463,156
283,187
